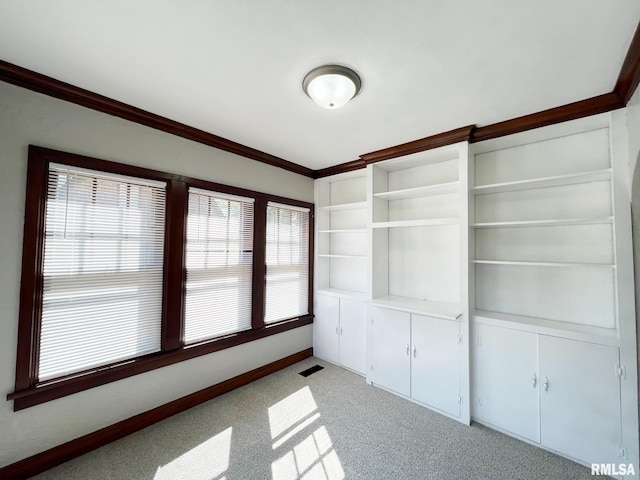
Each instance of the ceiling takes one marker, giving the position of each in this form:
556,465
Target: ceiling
235,68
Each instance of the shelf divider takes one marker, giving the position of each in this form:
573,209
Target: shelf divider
544,223
344,206
428,222
423,191
546,326
543,264
342,293
542,182
447,311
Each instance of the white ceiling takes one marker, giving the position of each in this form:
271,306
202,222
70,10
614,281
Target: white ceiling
234,68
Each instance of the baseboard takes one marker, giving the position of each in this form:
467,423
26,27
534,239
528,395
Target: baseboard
62,453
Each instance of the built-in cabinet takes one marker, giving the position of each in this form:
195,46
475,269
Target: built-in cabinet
505,380
418,357
390,350
579,399
340,331
495,283
559,392
436,360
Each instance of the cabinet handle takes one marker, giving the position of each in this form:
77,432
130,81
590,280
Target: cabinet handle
340,331
407,349
414,352
546,384
337,333
534,380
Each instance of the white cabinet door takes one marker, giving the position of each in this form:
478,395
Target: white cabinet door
435,363
579,399
353,335
505,380
325,328
390,344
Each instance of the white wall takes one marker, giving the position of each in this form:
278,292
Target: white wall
633,125
633,128
30,118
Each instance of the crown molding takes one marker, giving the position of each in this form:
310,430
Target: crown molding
37,82
571,111
439,140
629,76
340,168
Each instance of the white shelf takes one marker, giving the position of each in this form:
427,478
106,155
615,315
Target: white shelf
342,293
553,181
545,223
345,206
543,264
332,255
417,223
416,192
345,230
447,311
549,327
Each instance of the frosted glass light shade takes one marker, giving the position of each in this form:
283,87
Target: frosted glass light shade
331,86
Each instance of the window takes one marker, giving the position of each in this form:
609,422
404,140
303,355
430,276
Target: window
219,265
287,293
102,272
127,269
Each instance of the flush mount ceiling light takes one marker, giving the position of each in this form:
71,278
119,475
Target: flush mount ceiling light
331,86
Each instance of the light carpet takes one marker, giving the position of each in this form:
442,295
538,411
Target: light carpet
330,425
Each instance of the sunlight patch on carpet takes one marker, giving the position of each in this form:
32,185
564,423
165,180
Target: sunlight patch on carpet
311,458
288,412
203,462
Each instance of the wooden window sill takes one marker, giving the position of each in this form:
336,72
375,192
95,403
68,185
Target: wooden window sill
58,388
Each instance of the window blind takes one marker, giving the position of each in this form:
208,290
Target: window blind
219,258
102,270
287,259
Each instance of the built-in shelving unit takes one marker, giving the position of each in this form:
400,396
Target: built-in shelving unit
418,203
342,282
544,227
341,235
491,282
419,274
550,300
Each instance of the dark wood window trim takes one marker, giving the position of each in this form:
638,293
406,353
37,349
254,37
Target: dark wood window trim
28,391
